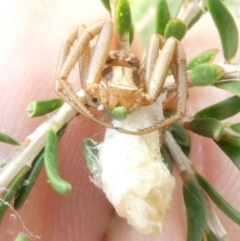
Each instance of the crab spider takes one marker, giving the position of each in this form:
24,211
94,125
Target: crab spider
117,78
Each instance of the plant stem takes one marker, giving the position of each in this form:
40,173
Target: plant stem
35,143
184,165
191,11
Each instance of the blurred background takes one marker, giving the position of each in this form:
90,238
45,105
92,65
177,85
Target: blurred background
143,14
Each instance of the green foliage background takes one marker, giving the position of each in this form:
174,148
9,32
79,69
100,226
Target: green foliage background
143,14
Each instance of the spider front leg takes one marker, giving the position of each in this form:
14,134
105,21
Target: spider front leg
172,56
64,52
163,56
76,48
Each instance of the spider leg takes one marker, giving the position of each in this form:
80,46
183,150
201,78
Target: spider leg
171,57
155,44
65,49
100,53
90,68
161,69
64,52
84,58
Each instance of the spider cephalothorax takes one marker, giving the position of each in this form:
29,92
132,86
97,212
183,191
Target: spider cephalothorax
116,79
120,83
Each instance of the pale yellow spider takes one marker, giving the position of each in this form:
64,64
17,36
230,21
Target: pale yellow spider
116,78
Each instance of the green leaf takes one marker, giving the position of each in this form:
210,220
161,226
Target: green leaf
180,134
202,58
205,74
195,211
167,159
90,150
231,86
29,181
43,107
162,16
219,200
10,194
226,26
195,18
232,151
168,112
175,28
32,175
131,34
186,149
211,236
21,237
106,4
232,139
123,19
51,165
208,127
221,110
8,139
236,127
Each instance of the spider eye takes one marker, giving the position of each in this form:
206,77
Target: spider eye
119,113
136,78
107,73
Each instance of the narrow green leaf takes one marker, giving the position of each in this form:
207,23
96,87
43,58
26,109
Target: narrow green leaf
90,150
131,34
205,74
232,151
167,159
8,139
202,58
168,112
221,110
175,28
180,134
195,18
232,139
51,165
226,26
162,16
29,181
211,236
43,107
236,127
106,4
208,127
225,206
10,194
32,175
231,86
195,211
21,237
123,19
186,149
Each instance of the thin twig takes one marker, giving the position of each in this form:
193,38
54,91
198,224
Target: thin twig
191,11
184,164
36,141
